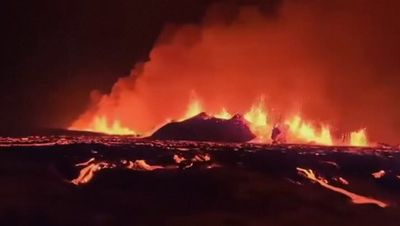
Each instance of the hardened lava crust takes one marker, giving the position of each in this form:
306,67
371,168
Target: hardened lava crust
124,180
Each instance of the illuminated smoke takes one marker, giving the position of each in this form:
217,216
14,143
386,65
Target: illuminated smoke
312,58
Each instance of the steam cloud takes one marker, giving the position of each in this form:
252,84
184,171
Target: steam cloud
333,61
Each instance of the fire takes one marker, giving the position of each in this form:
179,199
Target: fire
257,118
223,114
100,124
359,138
297,129
302,130
194,108
204,58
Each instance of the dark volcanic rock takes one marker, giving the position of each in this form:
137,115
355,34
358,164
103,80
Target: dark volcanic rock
203,127
216,184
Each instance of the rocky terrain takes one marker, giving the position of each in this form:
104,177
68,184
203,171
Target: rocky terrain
112,180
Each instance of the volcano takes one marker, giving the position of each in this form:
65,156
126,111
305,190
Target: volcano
203,127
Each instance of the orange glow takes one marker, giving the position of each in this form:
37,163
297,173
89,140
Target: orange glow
359,138
304,131
223,114
228,69
141,165
257,118
355,198
297,129
100,124
194,109
379,174
87,173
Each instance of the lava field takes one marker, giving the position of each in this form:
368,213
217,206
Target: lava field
122,180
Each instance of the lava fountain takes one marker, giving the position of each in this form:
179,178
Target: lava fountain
229,65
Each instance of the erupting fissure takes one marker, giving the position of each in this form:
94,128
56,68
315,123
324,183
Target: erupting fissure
101,124
314,96
296,129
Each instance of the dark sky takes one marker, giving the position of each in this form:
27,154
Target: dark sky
55,52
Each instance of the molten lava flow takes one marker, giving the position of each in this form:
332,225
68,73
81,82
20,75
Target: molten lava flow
304,131
357,199
201,158
85,163
257,118
92,167
358,138
141,165
178,159
87,173
379,174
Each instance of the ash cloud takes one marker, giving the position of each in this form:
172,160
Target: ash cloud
335,62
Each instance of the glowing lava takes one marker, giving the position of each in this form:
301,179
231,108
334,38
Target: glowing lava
101,124
194,108
91,167
223,114
379,174
296,129
356,199
257,118
87,173
303,131
358,138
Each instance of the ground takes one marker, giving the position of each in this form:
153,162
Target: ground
213,183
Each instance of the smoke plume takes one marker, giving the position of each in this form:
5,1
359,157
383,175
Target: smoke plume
335,62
